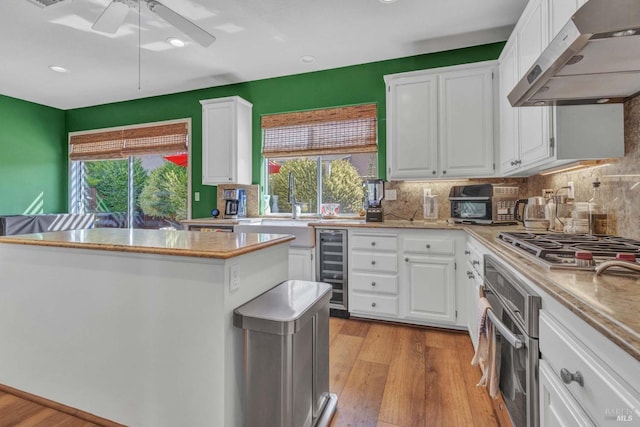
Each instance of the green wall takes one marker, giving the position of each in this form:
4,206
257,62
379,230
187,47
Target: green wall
33,158
342,86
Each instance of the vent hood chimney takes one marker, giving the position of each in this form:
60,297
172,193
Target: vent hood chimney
594,59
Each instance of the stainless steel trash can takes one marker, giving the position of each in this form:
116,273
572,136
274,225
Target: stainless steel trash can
286,356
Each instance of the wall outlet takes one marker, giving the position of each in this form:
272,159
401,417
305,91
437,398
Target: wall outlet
234,282
572,194
390,194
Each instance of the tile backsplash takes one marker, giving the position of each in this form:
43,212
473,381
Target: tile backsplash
620,184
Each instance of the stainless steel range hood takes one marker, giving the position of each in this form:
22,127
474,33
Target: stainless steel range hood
594,59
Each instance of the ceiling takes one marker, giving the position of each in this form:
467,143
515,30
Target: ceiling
256,39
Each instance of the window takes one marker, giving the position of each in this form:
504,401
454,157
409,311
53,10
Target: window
131,177
330,152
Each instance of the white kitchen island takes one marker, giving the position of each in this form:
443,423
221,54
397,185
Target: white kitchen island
133,325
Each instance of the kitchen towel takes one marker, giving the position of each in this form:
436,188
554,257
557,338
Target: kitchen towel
485,355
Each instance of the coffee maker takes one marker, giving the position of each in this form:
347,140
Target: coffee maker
235,203
374,189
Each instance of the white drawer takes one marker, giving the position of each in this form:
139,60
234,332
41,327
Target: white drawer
374,242
604,394
375,262
429,246
374,283
374,304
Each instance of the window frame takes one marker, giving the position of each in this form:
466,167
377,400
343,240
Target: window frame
73,181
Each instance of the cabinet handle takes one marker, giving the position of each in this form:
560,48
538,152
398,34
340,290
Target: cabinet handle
467,252
373,262
373,243
428,246
568,377
373,283
475,262
444,172
406,260
373,304
433,172
230,179
513,163
518,162
469,274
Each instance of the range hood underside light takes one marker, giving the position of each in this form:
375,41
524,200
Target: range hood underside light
587,62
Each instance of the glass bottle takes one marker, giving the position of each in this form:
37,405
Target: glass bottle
597,212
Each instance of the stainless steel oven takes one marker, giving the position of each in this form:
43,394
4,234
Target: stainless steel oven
514,313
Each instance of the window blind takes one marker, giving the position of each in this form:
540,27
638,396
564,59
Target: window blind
122,143
351,129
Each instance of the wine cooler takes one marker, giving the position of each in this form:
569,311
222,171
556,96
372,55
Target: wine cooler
331,267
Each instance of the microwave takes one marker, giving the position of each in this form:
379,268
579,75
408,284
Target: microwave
484,203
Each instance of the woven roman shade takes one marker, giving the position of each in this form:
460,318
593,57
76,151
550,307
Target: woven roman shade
341,130
120,144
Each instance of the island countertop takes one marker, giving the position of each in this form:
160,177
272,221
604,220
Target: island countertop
161,242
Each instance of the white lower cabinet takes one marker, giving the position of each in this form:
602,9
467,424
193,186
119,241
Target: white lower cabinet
301,264
430,289
586,385
557,406
407,276
373,273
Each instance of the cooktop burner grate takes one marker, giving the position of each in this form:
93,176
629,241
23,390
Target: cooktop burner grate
558,250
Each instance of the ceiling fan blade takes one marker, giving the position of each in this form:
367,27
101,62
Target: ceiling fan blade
196,33
112,17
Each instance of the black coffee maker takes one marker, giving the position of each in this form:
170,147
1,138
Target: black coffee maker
235,203
374,189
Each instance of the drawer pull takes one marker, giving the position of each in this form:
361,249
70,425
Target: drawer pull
469,274
373,262
373,304
428,246
373,243
406,260
475,262
568,377
373,283
466,252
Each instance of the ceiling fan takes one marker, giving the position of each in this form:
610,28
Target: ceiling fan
114,15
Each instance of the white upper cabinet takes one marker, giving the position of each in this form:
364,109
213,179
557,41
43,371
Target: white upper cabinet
466,122
440,122
226,141
537,138
412,126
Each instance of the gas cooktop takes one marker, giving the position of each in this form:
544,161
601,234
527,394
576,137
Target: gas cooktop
572,251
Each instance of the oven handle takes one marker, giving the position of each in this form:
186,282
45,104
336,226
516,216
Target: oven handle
504,331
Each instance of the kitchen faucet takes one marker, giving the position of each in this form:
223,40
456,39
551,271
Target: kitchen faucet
291,195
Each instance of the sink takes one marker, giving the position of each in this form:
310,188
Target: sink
304,235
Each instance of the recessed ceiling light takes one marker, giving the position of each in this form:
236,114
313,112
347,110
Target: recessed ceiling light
624,33
307,59
173,41
603,100
58,69
387,1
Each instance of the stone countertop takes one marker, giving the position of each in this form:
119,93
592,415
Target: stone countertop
210,221
161,242
609,303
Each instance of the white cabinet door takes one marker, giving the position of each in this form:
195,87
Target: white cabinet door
430,289
226,141
301,264
557,406
560,11
465,122
509,143
412,129
532,38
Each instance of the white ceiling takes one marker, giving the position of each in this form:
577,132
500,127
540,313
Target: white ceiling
256,39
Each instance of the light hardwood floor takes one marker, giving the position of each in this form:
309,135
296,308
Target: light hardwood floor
388,375
385,375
